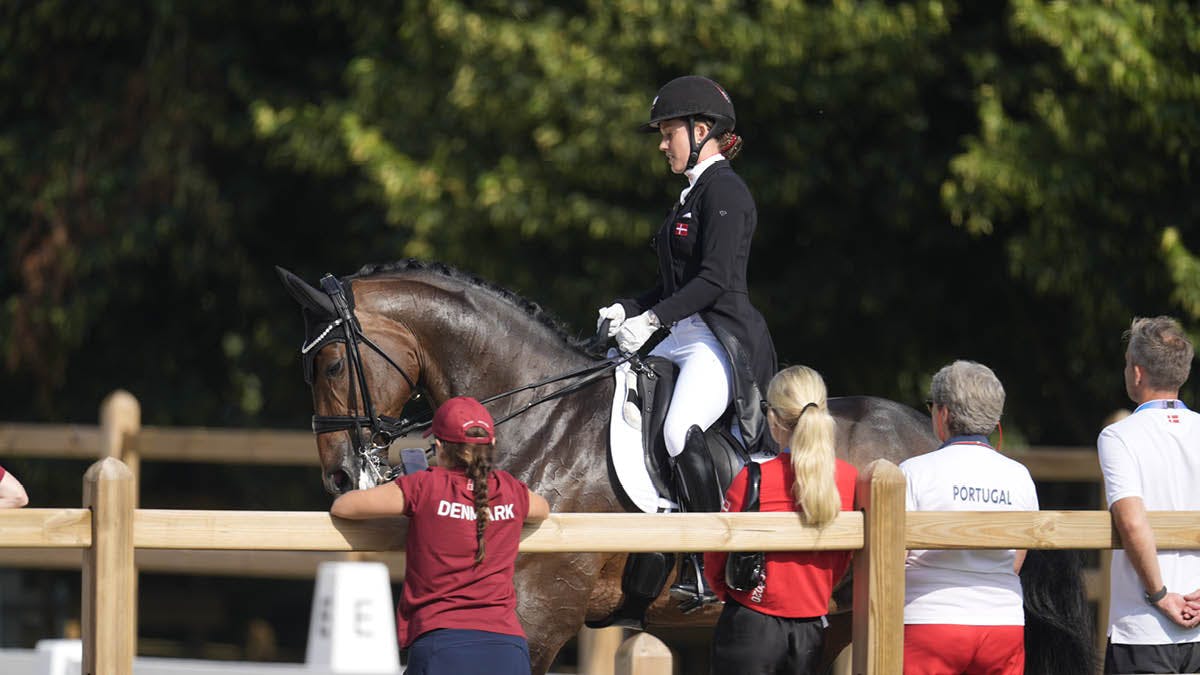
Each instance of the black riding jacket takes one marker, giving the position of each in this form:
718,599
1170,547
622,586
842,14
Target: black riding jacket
703,250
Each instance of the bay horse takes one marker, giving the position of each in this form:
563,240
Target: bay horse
377,338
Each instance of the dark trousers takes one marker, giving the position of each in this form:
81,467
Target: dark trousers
451,651
1177,658
747,642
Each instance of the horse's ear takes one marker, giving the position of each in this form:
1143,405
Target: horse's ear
312,299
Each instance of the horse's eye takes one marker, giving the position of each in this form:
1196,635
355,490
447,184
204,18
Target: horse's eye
333,369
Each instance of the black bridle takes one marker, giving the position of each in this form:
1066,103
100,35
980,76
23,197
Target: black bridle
385,429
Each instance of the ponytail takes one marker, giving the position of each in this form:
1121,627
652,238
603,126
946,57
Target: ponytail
476,458
797,399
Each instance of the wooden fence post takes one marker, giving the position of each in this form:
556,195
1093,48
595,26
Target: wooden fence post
109,588
598,649
643,654
120,419
879,572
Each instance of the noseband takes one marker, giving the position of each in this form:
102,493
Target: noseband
384,429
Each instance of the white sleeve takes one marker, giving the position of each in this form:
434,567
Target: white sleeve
1122,478
1031,498
910,490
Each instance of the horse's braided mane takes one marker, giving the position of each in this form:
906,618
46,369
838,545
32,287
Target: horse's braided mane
533,309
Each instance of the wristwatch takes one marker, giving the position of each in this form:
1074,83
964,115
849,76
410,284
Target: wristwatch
1154,597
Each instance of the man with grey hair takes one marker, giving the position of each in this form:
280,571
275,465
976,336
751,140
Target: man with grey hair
963,610
1151,462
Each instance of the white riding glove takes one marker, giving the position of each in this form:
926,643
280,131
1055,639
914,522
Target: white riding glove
636,331
615,313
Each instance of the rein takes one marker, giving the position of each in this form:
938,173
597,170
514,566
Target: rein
385,429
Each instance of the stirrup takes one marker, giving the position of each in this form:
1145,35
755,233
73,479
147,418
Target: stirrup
693,597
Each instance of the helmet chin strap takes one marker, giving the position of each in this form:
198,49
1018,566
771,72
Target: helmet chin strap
694,155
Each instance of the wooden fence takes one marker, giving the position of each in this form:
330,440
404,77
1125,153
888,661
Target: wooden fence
121,435
109,529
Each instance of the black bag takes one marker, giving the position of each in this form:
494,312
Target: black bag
746,571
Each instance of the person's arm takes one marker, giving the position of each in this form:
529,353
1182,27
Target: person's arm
377,502
12,493
1129,518
539,508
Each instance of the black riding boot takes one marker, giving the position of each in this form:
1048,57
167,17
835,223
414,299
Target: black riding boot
698,490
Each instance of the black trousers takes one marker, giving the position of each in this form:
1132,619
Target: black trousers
747,642
1176,658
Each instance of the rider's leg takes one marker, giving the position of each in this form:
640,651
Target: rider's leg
703,387
702,393
699,490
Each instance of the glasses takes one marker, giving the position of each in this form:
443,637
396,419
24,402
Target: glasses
764,406
929,405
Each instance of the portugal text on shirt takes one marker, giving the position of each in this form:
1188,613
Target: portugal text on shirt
467,511
983,495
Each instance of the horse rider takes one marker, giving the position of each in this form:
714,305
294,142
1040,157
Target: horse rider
715,336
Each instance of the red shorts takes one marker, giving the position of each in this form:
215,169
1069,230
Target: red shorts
951,649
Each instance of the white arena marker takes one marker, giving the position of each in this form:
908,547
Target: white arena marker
59,657
353,623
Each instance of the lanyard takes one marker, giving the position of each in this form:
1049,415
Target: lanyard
1161,403
967,440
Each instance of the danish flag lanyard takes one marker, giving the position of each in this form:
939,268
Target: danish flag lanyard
1161,403
967,440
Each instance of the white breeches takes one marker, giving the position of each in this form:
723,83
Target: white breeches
704,386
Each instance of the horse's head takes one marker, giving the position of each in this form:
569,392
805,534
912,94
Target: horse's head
363,368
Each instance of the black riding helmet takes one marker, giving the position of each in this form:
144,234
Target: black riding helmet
688,98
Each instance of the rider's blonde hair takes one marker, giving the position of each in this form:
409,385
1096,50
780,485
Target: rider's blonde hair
797,399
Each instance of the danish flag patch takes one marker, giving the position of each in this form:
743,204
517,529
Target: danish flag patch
681,229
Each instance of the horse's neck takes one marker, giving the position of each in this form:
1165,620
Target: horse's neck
485,360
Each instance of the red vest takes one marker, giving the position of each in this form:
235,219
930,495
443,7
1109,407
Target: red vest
443,587
799,583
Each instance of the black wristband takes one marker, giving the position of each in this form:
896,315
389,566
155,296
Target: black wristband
1154,597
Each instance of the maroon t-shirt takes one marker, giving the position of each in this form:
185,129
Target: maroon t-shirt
443,587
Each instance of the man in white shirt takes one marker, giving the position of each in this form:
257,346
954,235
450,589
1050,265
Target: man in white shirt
963,610
1151,462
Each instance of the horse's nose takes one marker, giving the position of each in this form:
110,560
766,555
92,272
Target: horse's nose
337,482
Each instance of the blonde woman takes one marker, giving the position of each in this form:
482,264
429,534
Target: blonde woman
779,626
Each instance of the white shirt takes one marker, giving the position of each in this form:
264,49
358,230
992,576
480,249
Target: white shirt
693,174
1153,454
972,588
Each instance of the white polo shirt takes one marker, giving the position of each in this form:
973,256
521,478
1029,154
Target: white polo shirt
975,587
1153,454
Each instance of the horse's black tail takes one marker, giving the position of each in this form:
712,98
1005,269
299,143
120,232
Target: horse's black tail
1059,630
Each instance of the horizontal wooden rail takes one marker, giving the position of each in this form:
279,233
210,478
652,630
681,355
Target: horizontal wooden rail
254,564
46,528
583,532
1041,529
226,446
1067,464
597,532
50,440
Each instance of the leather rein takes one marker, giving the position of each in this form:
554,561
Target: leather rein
386,429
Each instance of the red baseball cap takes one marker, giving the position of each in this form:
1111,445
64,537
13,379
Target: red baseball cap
454,417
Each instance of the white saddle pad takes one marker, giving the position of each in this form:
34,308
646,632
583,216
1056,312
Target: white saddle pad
625,448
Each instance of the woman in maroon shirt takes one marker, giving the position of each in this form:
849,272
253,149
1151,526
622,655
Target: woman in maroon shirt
779,626
457,612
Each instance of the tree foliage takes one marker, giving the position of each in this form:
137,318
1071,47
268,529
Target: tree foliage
1008,182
